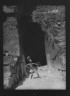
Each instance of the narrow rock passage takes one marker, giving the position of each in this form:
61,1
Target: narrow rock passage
49,79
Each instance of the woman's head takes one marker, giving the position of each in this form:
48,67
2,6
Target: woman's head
29,59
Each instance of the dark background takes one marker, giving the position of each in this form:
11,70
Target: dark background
34,43
31,34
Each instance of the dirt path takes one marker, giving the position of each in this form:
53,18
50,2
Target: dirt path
49,79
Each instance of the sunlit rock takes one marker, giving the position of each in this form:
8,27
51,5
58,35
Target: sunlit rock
9,9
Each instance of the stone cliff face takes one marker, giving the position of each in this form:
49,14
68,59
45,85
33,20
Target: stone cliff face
12,68
11,39
53,24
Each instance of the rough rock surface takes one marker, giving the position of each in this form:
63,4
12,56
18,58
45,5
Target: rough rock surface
10,49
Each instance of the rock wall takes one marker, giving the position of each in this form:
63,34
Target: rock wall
52,21
12,70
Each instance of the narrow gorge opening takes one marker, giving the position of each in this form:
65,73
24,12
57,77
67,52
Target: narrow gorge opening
34,44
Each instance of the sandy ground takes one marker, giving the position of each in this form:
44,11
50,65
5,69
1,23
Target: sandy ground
49,79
